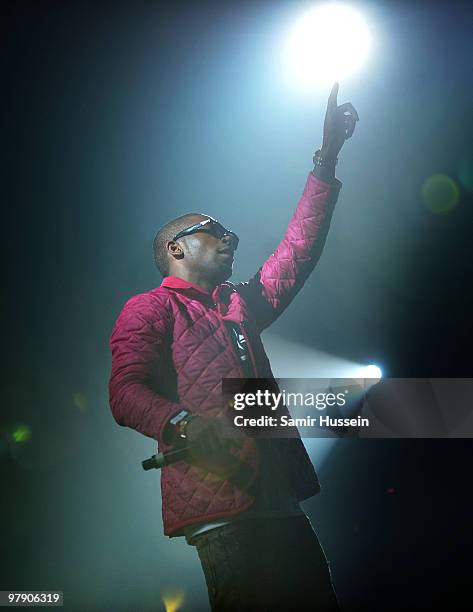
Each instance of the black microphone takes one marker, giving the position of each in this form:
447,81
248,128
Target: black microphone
159,460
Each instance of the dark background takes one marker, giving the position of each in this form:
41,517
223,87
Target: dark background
120,116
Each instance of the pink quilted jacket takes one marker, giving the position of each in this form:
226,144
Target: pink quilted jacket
170,350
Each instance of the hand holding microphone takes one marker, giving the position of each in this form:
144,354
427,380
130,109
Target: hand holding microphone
205,446
205,436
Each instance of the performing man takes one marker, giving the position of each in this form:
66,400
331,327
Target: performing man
236,502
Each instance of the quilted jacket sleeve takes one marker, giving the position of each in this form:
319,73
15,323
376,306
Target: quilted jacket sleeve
138,343
283,274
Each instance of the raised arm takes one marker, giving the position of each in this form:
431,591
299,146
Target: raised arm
283,274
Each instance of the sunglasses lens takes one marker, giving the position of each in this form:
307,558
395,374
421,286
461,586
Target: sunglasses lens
219,232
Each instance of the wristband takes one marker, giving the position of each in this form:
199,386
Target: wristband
321,160
177,418
181,426
179,422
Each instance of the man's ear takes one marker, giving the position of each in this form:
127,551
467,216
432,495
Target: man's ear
174,249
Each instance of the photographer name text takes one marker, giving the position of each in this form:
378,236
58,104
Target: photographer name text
308,421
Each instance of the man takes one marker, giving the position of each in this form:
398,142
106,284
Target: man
238,503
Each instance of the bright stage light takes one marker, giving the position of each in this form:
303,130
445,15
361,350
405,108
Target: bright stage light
326,45
370,371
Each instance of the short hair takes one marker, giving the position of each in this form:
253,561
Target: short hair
164,235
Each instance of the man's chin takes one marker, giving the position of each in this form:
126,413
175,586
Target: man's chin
226,270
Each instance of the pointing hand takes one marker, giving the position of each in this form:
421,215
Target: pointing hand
339,124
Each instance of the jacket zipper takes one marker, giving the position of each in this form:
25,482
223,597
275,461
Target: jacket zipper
250,349
243,375
229,343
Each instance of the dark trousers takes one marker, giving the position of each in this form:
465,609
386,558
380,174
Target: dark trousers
266,565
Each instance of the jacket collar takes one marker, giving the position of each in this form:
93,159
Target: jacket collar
220,292
174,282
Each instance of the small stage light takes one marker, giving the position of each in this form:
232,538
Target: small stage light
370,371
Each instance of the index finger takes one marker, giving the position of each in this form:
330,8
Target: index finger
332,99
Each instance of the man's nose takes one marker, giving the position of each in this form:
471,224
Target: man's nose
227,239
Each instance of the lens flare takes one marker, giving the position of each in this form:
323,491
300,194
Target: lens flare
21,433
80,401
440,194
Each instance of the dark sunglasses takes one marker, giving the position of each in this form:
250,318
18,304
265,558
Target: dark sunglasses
212,227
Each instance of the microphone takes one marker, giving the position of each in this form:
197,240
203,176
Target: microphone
159,460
